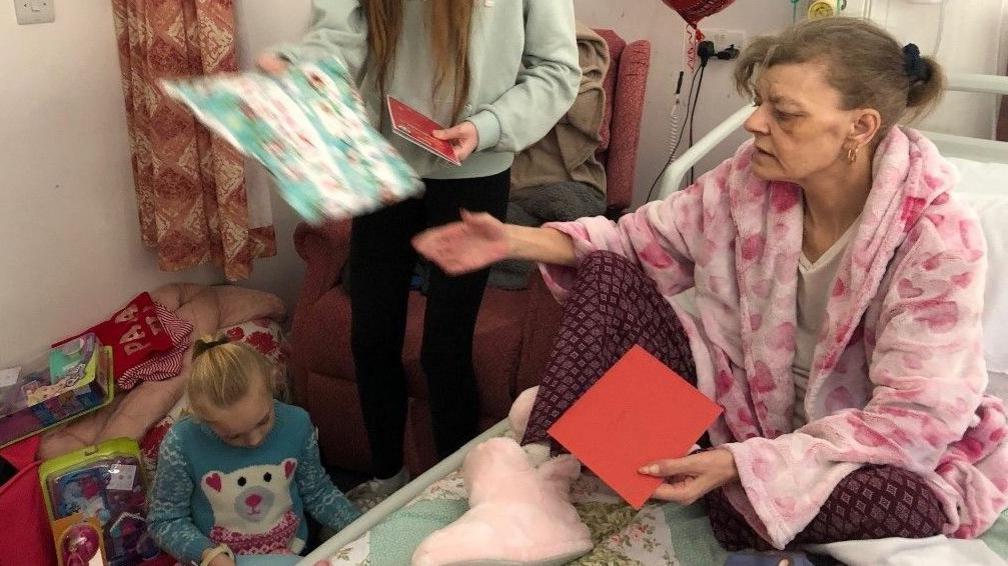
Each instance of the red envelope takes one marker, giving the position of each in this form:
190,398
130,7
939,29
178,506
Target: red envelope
638,412
419,129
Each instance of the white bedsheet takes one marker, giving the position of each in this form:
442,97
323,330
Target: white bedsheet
933,551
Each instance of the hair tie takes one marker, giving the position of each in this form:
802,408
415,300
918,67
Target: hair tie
914,65
202,345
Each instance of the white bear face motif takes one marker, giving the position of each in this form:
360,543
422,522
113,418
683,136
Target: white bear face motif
250,500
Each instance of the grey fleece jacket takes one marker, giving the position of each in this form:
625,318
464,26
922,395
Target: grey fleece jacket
524,74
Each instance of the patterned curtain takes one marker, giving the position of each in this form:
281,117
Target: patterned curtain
190,185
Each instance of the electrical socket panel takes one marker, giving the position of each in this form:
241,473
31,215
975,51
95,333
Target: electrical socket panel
725,38
34,11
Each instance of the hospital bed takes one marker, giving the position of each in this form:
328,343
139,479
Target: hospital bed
668,533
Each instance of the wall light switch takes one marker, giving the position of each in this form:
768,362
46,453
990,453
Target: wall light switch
35,11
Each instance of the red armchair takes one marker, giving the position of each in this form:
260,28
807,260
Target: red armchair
514,331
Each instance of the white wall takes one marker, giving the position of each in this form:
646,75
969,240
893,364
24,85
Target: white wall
973,41
260,25
70,248
652,20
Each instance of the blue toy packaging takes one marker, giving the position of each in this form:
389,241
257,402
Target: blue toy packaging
106,483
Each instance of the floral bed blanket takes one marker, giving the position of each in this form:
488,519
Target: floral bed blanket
656,534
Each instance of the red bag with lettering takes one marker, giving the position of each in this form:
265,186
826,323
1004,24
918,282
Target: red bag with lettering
135,334
694,10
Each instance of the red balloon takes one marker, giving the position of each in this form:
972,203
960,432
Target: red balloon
694,10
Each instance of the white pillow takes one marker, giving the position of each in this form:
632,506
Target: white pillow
985,187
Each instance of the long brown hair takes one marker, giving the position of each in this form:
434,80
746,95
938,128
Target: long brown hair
448,22
863,62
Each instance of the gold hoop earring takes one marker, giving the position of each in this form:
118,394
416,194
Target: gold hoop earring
852,154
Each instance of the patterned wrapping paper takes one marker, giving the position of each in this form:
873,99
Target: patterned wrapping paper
310,130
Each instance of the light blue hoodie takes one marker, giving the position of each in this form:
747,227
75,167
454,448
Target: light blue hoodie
523,64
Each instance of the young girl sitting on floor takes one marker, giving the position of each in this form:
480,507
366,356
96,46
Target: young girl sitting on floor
237,478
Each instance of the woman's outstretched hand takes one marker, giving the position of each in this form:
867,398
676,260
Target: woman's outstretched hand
689,478
470,245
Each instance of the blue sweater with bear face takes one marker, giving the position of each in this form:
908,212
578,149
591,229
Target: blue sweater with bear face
207,492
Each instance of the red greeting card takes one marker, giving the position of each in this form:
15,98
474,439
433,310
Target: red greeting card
419,129
638,412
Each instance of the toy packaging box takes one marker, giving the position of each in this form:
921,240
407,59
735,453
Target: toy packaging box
75,378
105,483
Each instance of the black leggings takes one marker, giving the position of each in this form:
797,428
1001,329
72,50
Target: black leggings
382,262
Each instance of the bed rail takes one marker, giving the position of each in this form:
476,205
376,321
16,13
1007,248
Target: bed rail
365,522
988,84
673,175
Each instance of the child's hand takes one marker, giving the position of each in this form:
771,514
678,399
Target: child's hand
271,64
219,560
222,560
463,137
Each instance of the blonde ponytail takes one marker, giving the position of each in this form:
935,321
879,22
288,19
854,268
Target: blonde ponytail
223,373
